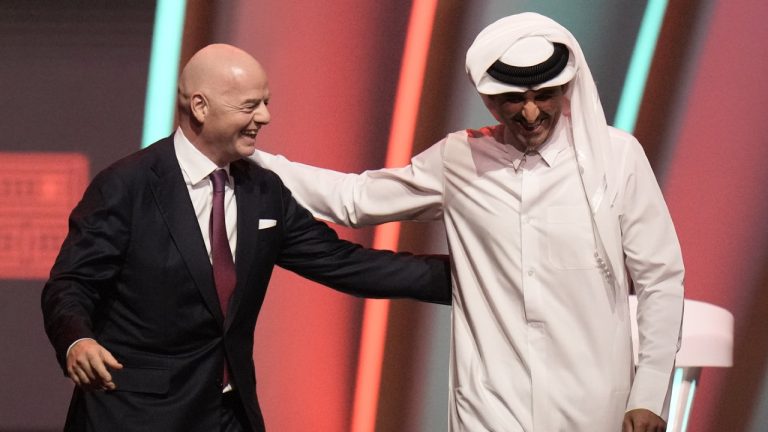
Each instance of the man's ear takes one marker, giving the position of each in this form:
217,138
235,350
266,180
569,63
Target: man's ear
198,106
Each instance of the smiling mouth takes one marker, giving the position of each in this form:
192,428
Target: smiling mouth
251,133
531,127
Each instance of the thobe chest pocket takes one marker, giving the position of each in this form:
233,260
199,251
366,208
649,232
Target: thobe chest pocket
569,239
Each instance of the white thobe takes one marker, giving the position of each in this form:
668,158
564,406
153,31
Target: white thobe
540,325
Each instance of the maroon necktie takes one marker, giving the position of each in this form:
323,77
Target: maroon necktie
223,265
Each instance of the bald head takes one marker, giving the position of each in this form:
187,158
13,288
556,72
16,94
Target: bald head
222,100
213,69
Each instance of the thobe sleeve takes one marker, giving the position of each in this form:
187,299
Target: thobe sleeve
413,192
654,261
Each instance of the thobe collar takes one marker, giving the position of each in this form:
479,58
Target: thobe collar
548,151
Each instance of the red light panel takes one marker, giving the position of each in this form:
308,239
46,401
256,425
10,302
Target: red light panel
37,193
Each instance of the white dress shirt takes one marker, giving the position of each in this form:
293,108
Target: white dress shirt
196,167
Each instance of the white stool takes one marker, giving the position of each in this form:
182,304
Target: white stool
707,342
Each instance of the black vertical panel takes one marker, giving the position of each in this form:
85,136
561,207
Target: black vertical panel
72,78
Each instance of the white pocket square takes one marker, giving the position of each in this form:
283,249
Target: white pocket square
267,223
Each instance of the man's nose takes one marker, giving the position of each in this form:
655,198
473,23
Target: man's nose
261,115
530,111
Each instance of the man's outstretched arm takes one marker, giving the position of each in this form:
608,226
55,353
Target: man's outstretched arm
413,192
313,250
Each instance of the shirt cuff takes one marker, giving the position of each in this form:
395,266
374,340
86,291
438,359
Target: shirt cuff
73,344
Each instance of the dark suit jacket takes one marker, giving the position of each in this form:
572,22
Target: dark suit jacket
134,274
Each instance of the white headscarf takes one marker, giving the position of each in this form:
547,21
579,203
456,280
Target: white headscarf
589,129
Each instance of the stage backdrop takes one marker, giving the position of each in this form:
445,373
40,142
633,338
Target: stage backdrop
72,85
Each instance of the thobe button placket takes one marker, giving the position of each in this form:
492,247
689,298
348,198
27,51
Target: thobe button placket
604,267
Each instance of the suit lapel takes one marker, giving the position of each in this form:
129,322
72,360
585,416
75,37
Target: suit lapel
173,200
248,197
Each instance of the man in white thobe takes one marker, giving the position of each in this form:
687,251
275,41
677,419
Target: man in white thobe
549,216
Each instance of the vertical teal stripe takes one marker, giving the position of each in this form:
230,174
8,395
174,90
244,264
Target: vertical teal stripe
688,405
159,107
640,64
674,399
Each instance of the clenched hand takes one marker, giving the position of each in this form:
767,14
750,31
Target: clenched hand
643,420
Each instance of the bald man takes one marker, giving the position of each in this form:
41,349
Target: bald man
152,302
549,215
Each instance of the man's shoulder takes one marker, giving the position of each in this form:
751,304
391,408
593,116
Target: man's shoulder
624,144
137,164
252,171
621,137
249,173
